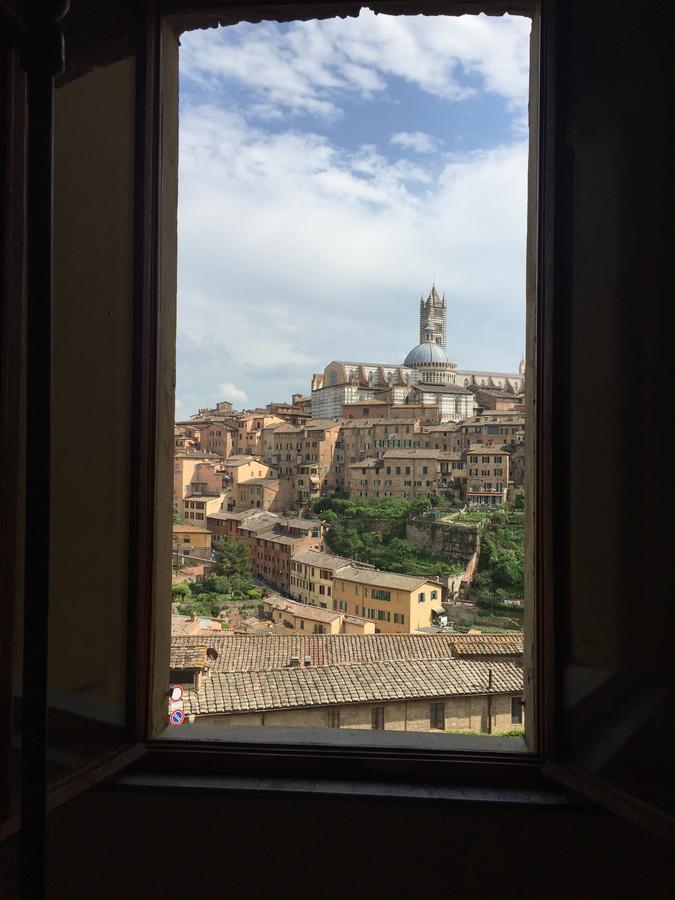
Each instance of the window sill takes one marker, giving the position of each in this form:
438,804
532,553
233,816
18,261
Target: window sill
442,742
544,797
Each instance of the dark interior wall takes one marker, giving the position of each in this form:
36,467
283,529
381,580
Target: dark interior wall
107,845
613,280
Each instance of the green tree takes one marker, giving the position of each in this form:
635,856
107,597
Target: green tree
176,516
232,557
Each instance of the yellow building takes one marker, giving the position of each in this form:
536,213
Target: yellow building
312,575
395,603
302,617
192,540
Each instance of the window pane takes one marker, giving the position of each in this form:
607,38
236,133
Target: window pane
401,523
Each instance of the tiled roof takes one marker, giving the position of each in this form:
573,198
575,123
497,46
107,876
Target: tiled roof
323,560
487,451
242,460
263,481
300,523
393,423
359,683
367,463
276,538
488,644
194,529
189,626
247,652
188,657
385,579
414,453
304,610
263,521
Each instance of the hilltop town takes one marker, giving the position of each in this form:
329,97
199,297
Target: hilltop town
357,512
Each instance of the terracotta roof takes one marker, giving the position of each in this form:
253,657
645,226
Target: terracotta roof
321,559
178,529
413,453
242,460
268,481
393,423
189,657
359,683
248,652
276,538
304,610
300,523
487,450
488,644
385,579
189,625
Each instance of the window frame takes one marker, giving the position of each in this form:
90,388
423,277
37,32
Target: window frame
176,17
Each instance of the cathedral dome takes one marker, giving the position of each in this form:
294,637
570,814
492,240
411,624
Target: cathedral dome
428,353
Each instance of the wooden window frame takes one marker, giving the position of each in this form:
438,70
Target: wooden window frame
172,17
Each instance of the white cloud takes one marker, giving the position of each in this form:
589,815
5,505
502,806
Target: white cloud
231,392
294,252
313,67
418,141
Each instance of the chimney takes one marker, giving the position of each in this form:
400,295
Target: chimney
308,660
294,662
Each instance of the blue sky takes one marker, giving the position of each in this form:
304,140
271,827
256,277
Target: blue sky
328,172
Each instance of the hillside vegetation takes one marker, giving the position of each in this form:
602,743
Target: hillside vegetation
500,570
373,531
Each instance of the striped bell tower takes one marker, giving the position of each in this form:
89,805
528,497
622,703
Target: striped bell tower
433,314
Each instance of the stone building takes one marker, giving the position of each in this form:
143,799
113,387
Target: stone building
406,474
274,494
493,429
417,695
272,548
487,475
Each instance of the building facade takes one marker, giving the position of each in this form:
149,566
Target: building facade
397,604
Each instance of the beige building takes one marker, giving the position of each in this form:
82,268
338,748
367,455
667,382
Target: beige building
250,430
185,465
312,575
405,474
414,695
304,454
274,494
487,475
302,617
493,429
395,603
447,438
218,437
195,508
191,540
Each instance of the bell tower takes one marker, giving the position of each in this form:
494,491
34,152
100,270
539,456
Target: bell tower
433,314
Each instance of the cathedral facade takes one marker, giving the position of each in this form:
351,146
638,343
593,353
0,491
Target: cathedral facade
426,375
